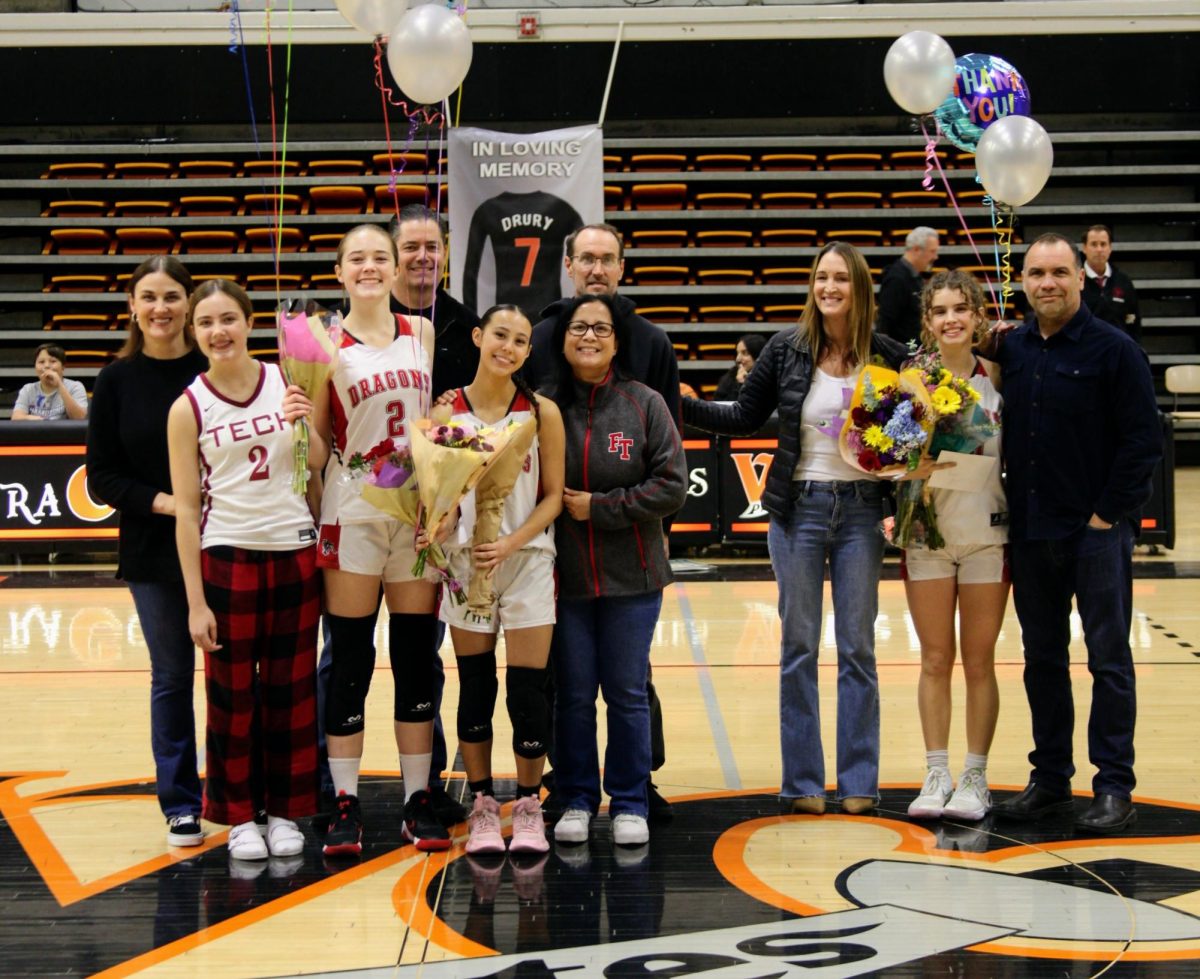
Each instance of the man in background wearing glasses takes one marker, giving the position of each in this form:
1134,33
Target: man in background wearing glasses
595,260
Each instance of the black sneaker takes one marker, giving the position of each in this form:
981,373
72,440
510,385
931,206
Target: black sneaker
449,811
184,831
660,809
344,834
421,824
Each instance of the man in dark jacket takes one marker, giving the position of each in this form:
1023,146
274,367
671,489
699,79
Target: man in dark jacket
1081,440
899,302
1107,291
418,292
595,260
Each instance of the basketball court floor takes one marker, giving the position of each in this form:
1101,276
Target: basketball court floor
729,888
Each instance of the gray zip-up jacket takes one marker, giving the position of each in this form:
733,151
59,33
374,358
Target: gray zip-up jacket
624,449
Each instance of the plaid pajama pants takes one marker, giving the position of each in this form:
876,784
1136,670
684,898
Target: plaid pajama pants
261,683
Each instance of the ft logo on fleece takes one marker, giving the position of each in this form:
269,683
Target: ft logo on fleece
617,442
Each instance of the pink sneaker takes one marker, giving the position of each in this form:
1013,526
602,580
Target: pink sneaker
528,826
484,824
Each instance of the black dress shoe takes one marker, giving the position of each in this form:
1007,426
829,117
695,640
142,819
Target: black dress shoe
1107,814
1034,802
660,809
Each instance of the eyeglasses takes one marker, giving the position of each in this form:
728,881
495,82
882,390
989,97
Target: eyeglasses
586,261
578,328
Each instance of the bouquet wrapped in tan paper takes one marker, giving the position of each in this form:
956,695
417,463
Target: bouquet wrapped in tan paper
512,444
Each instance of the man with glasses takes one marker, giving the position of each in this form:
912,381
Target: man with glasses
595,260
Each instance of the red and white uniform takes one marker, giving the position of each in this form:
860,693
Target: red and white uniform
375,393
526,491
246,468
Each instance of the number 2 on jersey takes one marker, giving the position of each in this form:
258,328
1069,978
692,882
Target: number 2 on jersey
258,460
395,416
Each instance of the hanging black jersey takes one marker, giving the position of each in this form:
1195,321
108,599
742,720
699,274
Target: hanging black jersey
526,232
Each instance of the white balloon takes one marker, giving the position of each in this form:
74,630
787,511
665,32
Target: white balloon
375,17
1014,158
919,71
429,52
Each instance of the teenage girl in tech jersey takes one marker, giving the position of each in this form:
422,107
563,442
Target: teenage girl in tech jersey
246,549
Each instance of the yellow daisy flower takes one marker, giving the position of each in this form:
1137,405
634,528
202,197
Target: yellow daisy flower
877,439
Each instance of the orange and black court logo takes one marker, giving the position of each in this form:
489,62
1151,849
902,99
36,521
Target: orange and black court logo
728,889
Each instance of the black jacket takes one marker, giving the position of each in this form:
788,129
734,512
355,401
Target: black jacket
651,358
1116,303
899,302
779,381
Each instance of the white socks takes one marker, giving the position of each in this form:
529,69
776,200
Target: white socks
938,759
345,775
415,769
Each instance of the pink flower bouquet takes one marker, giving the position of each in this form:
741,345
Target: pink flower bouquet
308,348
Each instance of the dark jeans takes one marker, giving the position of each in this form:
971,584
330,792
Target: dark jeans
1096,567
602,645
324,681
162,610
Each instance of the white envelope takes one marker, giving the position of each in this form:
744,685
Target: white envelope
969,474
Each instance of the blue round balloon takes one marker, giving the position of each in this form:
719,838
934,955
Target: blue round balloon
986,88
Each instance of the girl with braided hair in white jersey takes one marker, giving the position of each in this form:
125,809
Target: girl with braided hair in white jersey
522,560
380,387
245,541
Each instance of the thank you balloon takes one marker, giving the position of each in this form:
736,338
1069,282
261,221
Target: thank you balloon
986,88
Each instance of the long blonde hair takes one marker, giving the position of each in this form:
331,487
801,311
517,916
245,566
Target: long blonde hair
862,305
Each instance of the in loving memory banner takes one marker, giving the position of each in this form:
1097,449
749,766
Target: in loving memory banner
514,199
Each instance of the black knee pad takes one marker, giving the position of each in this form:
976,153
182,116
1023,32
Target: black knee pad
477,690
411,648
352,644
529,710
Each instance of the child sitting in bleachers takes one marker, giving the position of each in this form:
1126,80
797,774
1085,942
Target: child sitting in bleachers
52,397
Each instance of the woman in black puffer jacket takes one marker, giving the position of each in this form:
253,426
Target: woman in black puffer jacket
822,510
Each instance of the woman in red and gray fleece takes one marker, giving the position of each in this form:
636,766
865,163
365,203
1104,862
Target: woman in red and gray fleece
625,472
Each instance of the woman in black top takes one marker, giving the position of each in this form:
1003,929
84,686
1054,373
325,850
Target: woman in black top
128,469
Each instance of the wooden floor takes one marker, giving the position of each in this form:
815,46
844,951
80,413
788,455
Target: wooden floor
88,886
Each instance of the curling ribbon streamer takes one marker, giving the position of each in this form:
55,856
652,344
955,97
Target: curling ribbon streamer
930,157
962,220
386,98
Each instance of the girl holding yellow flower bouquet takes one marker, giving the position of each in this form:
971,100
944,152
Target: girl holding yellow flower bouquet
521,561
968,571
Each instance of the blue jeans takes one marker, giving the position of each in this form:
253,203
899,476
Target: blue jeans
1096,567
603,645
324,681
162,610
838,521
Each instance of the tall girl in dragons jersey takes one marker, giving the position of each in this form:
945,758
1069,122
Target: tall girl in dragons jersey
522,560
381,386
245,542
